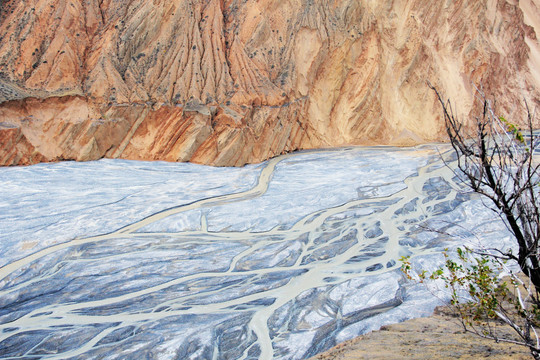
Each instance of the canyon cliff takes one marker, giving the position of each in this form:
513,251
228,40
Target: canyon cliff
228,82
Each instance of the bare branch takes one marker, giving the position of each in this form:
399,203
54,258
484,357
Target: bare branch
496,160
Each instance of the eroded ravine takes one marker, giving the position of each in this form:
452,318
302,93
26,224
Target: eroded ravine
305,257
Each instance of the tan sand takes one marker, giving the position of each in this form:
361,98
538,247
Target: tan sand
437,337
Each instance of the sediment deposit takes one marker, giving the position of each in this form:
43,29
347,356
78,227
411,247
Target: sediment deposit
225,82
123,259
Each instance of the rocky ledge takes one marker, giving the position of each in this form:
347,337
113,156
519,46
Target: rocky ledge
437,337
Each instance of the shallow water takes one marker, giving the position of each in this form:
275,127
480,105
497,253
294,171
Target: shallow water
119,259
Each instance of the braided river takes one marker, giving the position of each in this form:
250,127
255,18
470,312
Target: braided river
117,259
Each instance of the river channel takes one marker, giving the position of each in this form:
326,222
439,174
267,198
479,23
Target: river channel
117,259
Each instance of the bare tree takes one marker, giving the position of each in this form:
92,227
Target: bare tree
497,160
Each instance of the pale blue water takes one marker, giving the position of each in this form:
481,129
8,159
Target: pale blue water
116,259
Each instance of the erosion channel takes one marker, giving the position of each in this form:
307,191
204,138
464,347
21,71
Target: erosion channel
120,259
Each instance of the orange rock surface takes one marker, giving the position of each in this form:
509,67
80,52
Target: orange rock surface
227,82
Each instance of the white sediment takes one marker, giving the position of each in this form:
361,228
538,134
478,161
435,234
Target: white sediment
286,258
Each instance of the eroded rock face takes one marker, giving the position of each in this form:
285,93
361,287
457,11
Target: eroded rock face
225,82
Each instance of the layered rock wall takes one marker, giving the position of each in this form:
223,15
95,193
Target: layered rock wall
226,82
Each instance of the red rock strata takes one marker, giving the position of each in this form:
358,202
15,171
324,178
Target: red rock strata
226,82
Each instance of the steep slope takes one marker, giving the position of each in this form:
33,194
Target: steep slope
226,82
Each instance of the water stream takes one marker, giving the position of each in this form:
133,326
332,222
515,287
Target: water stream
126,260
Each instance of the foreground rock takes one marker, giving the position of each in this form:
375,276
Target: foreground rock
225,83
437,337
